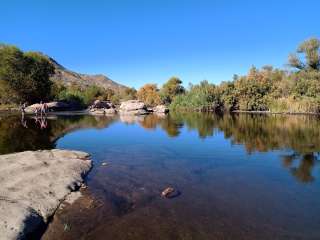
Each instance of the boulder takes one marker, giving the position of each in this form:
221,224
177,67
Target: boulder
102,108
161,109
134,107
33,185
52,107
102,104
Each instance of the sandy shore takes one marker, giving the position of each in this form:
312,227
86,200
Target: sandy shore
33,184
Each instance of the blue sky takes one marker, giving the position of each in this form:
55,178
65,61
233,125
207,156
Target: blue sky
135,42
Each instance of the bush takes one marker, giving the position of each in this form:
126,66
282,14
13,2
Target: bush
202,97
296,105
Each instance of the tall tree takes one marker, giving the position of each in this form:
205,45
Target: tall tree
310,50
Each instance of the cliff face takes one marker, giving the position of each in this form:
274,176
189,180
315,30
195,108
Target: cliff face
68,77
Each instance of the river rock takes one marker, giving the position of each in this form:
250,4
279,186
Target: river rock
102,104
33,184
102,108
161,109
166,192
134,107
52,107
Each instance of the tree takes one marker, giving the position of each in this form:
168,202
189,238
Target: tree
11,72
36,85
128,94
149,94
310,50
24,76
170,89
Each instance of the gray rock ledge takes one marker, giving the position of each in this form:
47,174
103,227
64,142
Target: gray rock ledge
32,186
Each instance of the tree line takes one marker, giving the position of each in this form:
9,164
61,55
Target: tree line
25,77
265,89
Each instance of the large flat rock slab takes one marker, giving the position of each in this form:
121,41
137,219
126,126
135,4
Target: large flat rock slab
32,186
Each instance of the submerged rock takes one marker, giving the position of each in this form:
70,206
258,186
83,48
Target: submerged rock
33,184
134,107
167,192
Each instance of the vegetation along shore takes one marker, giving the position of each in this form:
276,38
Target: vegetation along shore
33,77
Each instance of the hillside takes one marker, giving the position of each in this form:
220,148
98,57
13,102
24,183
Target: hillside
68,77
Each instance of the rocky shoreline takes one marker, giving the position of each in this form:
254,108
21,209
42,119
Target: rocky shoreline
33,185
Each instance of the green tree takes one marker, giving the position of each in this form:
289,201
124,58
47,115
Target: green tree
11,72
24,76
170,89
36,85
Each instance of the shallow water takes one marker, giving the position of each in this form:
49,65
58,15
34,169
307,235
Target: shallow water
240,176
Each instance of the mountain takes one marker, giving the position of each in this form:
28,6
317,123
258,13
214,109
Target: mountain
68,77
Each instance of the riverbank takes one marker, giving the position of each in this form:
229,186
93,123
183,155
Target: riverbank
33,185
278,113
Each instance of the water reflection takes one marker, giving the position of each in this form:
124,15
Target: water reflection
258,133
21,133
299,135
301,165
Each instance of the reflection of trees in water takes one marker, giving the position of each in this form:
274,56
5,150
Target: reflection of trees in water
167,123
256,132
15,137
260,133
270,132
304,167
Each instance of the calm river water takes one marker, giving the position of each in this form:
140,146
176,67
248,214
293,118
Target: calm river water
239,176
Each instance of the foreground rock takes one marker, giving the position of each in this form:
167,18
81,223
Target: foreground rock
33,184
53,107
102,108
161,109
133,107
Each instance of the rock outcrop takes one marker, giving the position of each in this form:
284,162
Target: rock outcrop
53,107
133,107
33,184
161,109
102,104
102,108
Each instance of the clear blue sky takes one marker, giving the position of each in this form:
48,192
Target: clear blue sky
135,42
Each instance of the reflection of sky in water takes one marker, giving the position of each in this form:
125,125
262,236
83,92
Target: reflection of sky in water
219,180
255,177
186,145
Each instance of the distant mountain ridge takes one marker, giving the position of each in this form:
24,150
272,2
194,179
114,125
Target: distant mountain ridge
68,77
